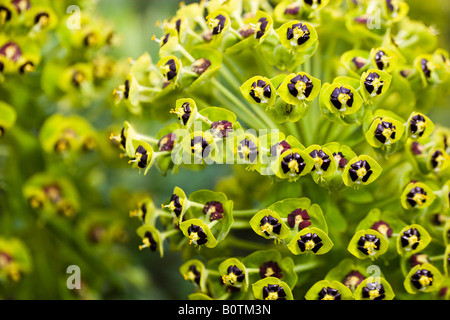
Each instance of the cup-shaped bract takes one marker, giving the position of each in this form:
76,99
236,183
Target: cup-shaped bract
368,244
374,289
234,274
310,240
412,239
269,224
423,278
198,233
417,195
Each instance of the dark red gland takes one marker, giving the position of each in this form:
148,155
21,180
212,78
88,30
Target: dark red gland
222,128
279,148
383,228
340,159
299,217
11,51
166,143
214,209
270,269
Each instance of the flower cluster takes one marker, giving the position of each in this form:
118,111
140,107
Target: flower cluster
291,89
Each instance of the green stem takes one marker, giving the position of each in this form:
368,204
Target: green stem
240,224
437,258
250,118
306,266
245,213
228,76
233,242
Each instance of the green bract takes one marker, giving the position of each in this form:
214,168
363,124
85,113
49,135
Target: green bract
269,224
374,289
368,244
423,278
361,170
310,240
412,239
271,288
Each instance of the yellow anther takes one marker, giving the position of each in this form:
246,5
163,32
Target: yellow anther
272,296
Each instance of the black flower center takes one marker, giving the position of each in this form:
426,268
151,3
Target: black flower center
42,18
247,150
293,163
5,15
321,160
360,171
329,294
417,196
141,157
170,69
310,242
197,235
300,86
175,205
298,34
381,60
269,225
234,276
369,244
260,91
425,65
26,67
261,26
200,147
373,83
274,292
373,291
385,132
341,98
149,242
217,24
422,279
193,275
437,159
411,239
418,125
